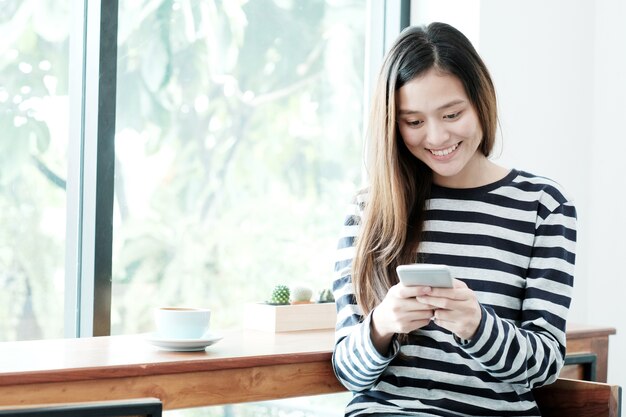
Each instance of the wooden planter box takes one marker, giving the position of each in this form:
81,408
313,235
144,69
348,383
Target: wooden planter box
287,318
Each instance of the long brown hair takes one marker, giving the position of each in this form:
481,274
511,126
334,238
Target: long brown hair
400,183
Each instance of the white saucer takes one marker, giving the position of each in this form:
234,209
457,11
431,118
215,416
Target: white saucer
183,345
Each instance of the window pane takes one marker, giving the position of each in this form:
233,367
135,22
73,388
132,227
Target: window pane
34,124
239,129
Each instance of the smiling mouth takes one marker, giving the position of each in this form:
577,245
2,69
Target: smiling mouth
446,151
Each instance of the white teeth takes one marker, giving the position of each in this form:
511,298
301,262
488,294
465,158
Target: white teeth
444,152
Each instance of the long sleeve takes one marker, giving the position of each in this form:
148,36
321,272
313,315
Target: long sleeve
532,354
356,362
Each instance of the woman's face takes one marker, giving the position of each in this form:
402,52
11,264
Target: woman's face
440,127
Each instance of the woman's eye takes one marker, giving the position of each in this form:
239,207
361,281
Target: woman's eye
452,116
414,123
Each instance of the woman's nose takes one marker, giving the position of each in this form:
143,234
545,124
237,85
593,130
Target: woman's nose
437,134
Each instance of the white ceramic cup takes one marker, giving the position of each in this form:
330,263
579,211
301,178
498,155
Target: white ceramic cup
182,322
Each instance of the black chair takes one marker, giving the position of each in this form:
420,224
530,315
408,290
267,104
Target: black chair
143,407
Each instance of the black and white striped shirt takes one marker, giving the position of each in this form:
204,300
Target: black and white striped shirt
513,243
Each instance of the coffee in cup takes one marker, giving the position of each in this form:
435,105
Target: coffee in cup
182,322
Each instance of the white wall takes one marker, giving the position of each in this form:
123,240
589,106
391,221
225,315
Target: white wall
606,220
560,73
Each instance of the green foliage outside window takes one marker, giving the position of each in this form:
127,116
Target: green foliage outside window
239,136
33,163
239,140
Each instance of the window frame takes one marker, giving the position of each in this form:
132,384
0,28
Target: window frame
91,168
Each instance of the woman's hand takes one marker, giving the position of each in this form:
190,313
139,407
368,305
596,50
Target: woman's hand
399,312
456,309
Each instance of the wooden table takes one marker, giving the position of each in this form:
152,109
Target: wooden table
587,352
244,366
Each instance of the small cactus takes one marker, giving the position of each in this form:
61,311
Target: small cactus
301,294
280,295
326,296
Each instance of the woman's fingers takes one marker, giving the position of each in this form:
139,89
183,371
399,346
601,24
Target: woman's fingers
401,312
456,309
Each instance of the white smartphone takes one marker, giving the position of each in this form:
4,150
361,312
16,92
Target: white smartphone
425,274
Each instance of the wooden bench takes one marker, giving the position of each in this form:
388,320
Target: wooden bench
576,398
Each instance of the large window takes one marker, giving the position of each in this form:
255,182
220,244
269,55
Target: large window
239,141
234,130
34,45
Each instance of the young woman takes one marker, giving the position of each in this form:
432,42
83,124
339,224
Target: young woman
508,236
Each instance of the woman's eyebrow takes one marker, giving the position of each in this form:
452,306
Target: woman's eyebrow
450,104
445,106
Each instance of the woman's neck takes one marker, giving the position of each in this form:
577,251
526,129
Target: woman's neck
478,172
